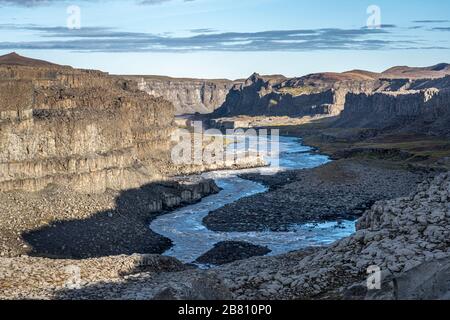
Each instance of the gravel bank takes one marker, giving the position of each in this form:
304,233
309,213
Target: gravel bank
230,251
401,237
342,189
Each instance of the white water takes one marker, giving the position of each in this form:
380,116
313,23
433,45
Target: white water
191,238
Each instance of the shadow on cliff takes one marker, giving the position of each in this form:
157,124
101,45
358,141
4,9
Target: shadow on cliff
122,230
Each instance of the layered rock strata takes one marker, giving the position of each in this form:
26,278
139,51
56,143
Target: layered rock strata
395,236
189,96
421,111
417,102
313,95
80,128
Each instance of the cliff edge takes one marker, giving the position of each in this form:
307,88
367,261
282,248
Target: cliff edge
81,128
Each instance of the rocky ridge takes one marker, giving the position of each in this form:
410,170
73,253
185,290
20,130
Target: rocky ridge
418,106
414,99
311,95
404,72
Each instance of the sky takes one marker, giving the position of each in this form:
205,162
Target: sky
228,39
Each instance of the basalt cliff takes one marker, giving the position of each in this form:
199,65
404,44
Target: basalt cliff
189,96
404,98
319,94
418,106
80,128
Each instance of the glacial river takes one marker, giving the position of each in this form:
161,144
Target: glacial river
191,238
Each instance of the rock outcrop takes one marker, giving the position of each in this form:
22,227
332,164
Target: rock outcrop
189,96
429,281
82,128
320,95
230,251
419,106
400,96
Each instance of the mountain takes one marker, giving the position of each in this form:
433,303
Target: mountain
17,60
436,71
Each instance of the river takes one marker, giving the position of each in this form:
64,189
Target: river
191,238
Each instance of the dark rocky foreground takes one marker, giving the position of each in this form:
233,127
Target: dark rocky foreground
59,223
406,238
339,190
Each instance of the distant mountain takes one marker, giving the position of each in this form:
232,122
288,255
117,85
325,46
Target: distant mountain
436,71
18,60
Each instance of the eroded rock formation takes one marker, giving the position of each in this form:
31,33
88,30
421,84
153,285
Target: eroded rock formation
406,238
189,96
312,95
417,102
80,128
418,106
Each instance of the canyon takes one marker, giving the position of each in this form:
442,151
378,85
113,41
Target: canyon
411,99
85,171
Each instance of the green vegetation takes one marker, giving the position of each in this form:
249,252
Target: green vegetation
425,151
297,91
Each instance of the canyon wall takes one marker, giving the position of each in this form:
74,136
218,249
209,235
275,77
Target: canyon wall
422,111
356,99
298,97
80,128
189,96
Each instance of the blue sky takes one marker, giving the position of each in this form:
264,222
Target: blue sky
228,39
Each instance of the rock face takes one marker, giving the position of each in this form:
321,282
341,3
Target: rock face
418,106
408,239
80,128
399,97
189,96
429,281
312,95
